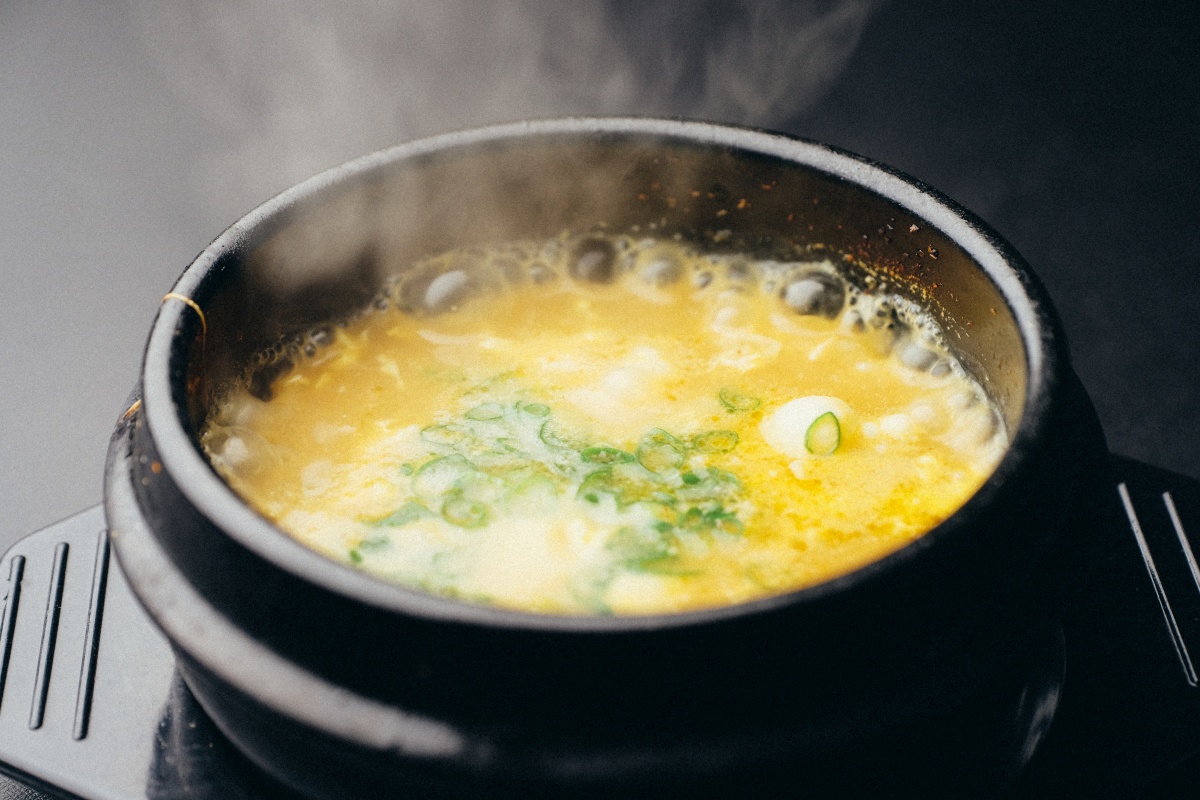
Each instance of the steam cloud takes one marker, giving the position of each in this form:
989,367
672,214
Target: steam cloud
289,87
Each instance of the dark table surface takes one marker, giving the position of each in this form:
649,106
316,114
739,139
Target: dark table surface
131,134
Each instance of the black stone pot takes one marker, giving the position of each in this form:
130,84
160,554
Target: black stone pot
927,669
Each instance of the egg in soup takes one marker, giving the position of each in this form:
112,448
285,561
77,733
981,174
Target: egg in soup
612,426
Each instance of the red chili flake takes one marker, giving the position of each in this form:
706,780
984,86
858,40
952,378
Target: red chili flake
913,229
743,204
766,187
642,196
935,286
933,253
791,217
156,467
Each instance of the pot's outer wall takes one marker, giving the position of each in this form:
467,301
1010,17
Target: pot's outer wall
908,636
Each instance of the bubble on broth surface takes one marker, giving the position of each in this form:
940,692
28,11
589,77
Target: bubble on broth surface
595,261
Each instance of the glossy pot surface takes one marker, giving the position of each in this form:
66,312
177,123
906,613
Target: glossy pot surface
345,686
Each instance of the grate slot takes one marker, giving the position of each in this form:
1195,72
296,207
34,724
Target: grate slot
41,686
8,622
91,644
1164,603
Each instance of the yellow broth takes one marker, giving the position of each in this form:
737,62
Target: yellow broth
676,431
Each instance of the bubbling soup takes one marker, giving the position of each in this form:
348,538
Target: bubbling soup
611,425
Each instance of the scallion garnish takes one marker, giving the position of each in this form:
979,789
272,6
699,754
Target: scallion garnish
464,513
660,451
513,458
605,455
442,435
735,402
440,475
824,435
547,434
374,543
715,441
485,411
536,409
409,512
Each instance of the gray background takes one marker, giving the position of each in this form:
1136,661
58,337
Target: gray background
131,134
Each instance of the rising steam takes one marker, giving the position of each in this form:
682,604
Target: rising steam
289,87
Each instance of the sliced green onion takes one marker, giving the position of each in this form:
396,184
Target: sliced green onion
715,441
734,401
723,521
409,512
716,519
824,435
634,548
373,543
485,411
600,481
441,475
659,436
710,486
536,409
355,556
723,479
539,490
550,438
692,520
659,456
627,483
662,499
605,455
509,445
442,434
464,513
